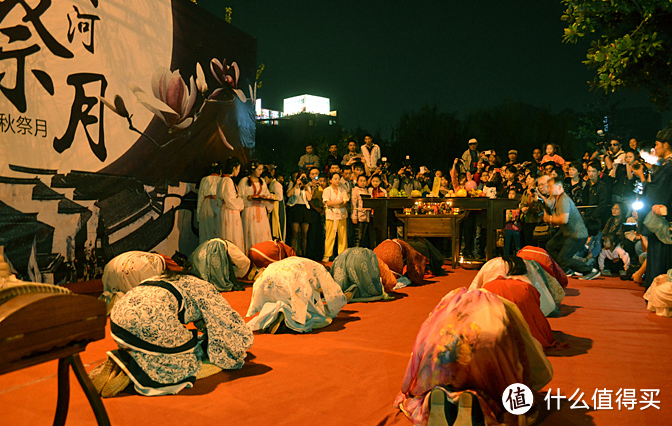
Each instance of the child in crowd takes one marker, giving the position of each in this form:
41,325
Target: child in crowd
360,215
613,259
445,187
552,154
512,229
377,191
483,179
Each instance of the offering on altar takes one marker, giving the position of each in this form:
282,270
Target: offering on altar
430,208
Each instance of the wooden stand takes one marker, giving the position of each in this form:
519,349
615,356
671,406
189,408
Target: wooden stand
41,327
494,208
437,225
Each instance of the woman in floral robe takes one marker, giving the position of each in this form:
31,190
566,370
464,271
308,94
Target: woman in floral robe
356,270
219,262
472,342
299,290
158,353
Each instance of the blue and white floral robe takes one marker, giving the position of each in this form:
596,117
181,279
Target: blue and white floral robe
292,287
357,269
159,354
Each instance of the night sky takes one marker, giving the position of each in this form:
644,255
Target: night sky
376,60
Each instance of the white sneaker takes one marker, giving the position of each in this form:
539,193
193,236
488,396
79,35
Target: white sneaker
591,275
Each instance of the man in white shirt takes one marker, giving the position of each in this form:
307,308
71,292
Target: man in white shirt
370,152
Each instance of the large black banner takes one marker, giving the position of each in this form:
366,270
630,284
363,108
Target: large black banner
109,113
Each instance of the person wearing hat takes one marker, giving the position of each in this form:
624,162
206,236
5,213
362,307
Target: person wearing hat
513,159
657,192
470,156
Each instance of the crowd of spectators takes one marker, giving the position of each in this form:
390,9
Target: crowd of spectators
594,205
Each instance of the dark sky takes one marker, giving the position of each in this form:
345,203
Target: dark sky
377,59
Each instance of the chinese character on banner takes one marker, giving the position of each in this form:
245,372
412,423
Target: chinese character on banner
84,25
23,125
18,35
626,398
41,127
602,399
79,113
6,123
580,400
647,398
549,396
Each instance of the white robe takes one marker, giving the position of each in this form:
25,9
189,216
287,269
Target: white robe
277,216
208,209
659,295
232,205
292,286
256,228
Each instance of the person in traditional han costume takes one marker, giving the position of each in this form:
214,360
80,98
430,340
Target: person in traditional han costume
356,271
544,260
526,299
220,262
254,192
157,352
529,271
232,205
277,216
472,346
267,252
209,204
397,253
659,294
128,270
296,292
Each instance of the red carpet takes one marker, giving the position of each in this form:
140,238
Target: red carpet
350,372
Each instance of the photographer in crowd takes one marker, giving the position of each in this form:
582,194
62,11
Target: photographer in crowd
572,233
299,195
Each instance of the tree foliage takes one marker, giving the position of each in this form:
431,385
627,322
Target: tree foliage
631,43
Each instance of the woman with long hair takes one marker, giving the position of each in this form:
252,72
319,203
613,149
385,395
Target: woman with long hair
614,225
232,204
471,347
530,209
209,204
574,183
254,192
277,216
299,195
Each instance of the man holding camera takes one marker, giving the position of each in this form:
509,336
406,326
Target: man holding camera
572,233
352,155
